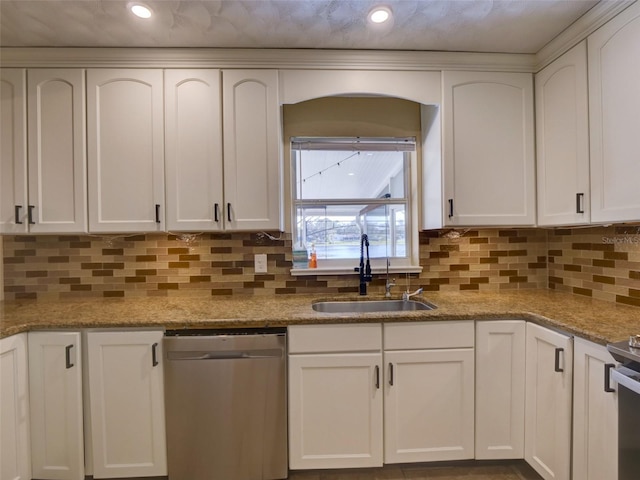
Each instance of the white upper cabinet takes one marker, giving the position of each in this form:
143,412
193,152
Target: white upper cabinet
57,152
125,150
252,138
47,193
562,138
488,151
13,151
614,103
193,149
55,387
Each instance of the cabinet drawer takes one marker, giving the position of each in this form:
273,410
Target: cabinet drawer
335,338
421,335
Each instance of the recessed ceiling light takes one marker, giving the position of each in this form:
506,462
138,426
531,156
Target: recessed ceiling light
380,14
140,10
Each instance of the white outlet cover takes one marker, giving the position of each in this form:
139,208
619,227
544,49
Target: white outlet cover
260,262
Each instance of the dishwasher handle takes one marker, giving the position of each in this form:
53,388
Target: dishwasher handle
225,355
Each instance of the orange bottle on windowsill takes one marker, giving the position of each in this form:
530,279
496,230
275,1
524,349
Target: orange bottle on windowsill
313,259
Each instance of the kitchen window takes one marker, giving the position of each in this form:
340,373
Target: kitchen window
345,187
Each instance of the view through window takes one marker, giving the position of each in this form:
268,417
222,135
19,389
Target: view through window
346,187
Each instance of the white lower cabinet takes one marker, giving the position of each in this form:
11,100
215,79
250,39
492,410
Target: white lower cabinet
549,381
336,385
429,391
500,398
335,396
55,387
15,454
595,413
126,401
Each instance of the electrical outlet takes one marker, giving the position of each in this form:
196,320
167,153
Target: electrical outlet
260,262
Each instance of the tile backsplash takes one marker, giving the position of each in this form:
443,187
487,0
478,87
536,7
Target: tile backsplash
600,262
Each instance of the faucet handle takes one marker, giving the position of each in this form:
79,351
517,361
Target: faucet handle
406,295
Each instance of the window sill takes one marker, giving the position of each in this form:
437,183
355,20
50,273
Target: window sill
301,272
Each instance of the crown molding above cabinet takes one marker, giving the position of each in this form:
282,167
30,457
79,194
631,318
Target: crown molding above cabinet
263,58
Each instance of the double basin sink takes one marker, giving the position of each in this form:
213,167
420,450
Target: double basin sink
371,306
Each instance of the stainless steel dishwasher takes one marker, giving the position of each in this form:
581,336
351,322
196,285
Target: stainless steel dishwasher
226,404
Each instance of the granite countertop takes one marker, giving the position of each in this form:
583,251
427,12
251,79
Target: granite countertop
595,320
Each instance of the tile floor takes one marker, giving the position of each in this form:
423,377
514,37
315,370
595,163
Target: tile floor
503,470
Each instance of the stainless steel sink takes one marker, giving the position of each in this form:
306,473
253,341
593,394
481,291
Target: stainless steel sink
370,306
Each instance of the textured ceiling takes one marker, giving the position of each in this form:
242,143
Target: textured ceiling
513,26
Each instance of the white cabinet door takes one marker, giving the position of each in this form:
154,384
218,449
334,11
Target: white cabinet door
562,139
55,387
549,380
126,391
429,405
125,150
252,164
57,152
13,151
489,164
614,102
500,371
15,457
595,413
335,410
193,149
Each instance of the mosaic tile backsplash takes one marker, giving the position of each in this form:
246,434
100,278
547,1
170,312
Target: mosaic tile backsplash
594,262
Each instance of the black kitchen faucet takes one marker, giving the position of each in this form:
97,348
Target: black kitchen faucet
364,270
